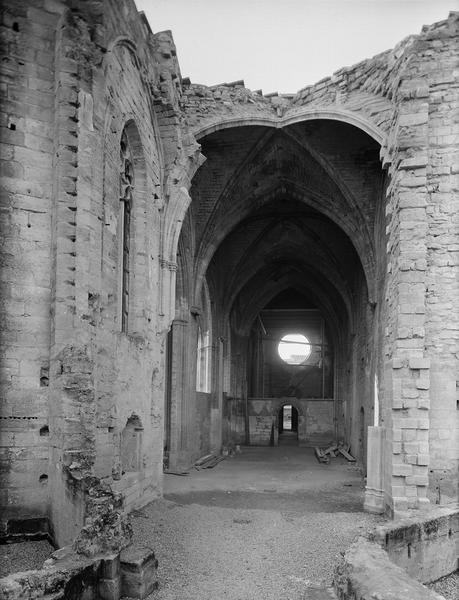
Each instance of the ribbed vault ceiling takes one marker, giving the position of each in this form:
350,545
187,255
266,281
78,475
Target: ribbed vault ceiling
273,209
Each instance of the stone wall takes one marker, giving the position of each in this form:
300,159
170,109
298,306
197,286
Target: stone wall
417,326
315,420
399,557
203,418
100,375
427,547
27,135
80,388
366,572
71,576
442,260
77,76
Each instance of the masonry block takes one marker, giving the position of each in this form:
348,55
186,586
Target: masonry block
402,469
109,589
423,383
419,363
400,504
138,571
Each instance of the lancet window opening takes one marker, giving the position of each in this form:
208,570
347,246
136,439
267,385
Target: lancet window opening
204,345
126,189
203,362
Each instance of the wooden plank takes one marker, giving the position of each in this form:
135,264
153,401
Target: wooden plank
212,463
203,459
320,456
331,449
346,454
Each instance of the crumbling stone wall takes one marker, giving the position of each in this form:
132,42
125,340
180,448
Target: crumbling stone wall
421,320
399,557
27,134
442,258
76,76
103,94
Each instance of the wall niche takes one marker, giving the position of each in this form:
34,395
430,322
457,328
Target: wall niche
131,445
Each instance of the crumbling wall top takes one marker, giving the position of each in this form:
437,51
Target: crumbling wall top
364,92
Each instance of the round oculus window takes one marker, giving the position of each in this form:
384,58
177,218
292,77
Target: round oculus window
294,348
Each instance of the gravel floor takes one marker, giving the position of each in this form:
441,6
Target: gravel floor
447,586
215,553
23,556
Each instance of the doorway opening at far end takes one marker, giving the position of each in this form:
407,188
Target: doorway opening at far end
288,425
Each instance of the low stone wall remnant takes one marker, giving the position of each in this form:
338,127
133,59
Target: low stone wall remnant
68,575
366,573
400,557
427,548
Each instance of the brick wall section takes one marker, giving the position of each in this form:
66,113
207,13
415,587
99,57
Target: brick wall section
417,246
27,109
71,406
69,92
407,232
442,267
124,370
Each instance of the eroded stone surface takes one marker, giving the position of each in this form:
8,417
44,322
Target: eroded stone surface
197,206
366,572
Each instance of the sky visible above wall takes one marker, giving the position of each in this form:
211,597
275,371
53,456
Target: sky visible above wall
284,45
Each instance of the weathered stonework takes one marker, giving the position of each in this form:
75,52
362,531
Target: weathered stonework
400,557
146,223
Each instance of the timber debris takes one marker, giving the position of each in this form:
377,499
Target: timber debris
323,455
209,461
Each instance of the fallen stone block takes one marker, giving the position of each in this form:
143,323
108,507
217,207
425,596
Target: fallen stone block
138,571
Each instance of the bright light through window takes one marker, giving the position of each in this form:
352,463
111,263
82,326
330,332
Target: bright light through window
294,348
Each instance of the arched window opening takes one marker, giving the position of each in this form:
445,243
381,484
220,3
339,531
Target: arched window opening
131,445
203,362
204,343
126,188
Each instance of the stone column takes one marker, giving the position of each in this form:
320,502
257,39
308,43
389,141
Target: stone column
374,492
407,370
179,393
216,410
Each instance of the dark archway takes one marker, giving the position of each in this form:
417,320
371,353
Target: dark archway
293,217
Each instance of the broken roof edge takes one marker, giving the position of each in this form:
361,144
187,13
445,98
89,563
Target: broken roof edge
398,50
144,19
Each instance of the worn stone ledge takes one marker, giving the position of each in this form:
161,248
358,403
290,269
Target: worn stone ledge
68,575
366,573
60,577
426,547
400,556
